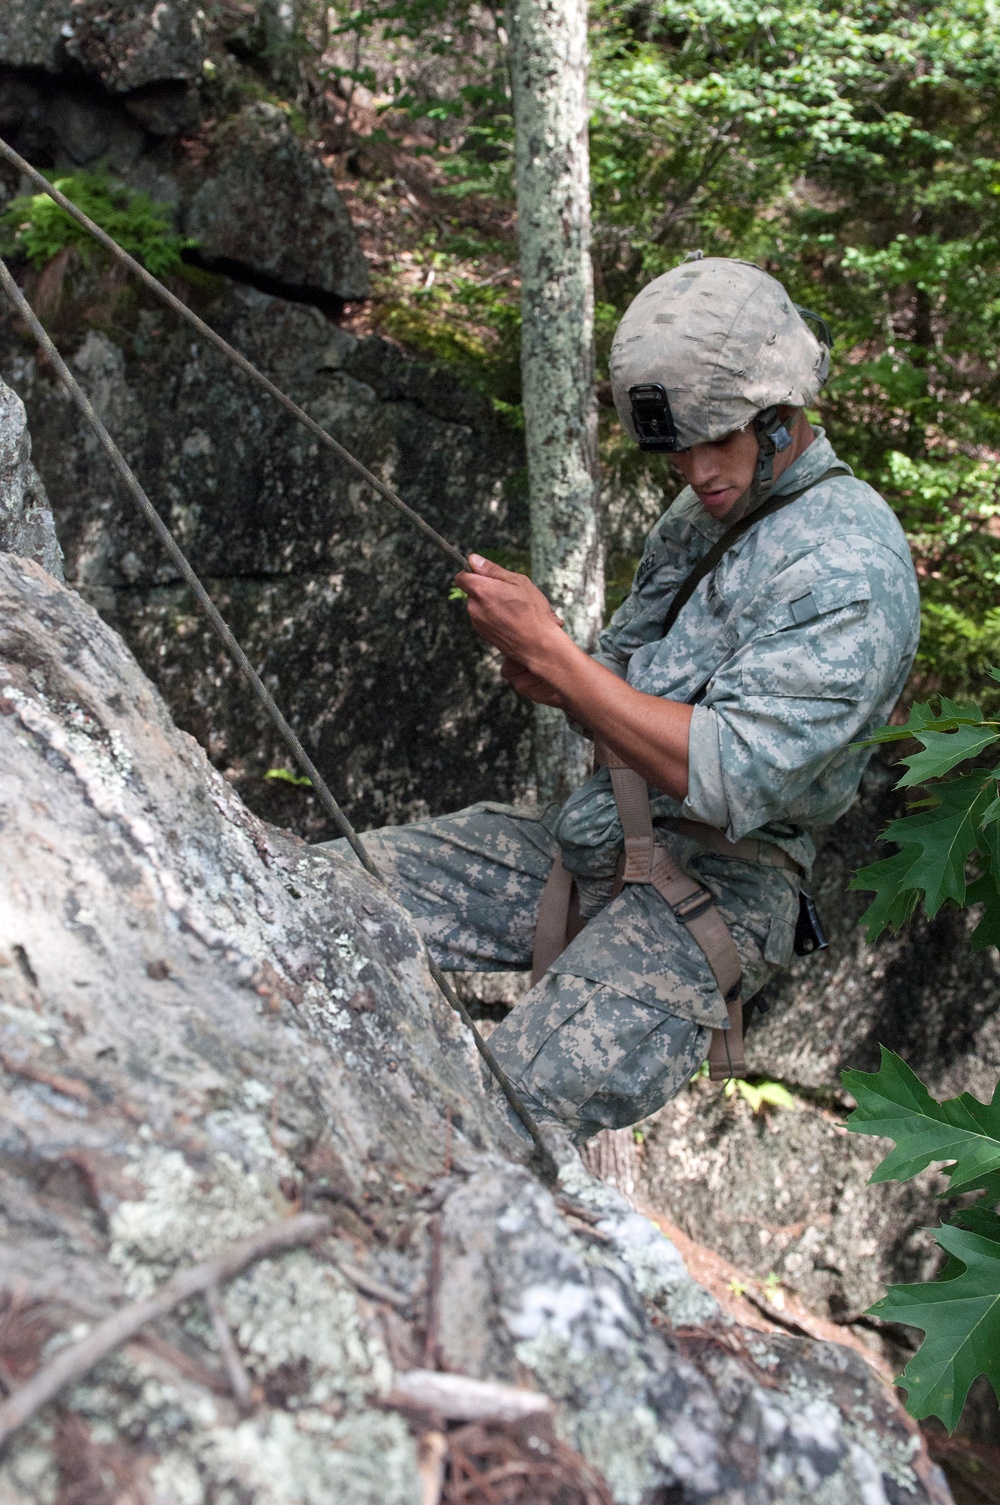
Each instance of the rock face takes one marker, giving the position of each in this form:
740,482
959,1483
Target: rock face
26,524
256,185
123,95
205,1024
342,603
125,44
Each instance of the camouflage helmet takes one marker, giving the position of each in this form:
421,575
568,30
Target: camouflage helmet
707,348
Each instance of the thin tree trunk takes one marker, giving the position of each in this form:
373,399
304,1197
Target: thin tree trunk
548,47
611,1156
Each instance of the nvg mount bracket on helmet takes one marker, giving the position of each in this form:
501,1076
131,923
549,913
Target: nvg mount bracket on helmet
654,422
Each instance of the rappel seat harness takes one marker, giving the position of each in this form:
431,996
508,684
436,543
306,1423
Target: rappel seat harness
644,859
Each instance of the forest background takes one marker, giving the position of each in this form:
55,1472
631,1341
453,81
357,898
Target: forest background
852,149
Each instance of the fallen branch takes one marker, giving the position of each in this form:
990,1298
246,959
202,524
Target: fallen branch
77,1359
456,1397
368,1286
67,1085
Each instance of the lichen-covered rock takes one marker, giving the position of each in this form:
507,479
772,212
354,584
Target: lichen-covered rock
265,201
204,1023
343,605
126,44
26,524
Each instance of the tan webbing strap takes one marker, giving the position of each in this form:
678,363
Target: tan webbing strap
649,861
553,921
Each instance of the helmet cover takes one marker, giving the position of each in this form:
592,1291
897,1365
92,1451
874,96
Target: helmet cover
724,340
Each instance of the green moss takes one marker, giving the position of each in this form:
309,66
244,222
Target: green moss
469,326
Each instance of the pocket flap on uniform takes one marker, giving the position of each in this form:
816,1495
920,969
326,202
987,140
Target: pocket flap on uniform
819,600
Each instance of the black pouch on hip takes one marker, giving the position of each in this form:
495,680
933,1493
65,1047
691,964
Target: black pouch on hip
809,933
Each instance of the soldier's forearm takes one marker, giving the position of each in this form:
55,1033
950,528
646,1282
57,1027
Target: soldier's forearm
649,733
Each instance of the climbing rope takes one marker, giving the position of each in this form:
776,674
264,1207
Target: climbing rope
221,627
247,367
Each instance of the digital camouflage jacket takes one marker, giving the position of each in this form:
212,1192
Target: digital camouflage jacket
792,650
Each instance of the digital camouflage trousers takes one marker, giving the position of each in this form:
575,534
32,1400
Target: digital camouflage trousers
621,1020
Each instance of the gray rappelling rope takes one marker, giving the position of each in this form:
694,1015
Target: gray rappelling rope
247,367
261,691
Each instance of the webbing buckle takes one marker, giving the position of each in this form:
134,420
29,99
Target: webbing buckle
693,905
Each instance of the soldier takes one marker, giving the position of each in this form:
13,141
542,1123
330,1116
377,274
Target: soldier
771,626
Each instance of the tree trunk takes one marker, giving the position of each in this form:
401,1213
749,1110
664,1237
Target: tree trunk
548,43
611,1157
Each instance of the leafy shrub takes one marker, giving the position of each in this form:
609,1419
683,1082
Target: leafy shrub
36,228
956,820
959,1312
471,327
955,823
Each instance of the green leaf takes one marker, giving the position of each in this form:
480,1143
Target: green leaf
943,751
282,775
991,813
894,1103
923,718
894,903
960,1318
967,711
941,839
979,1220
762,1095
985,890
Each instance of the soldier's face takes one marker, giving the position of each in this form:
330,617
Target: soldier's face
720,472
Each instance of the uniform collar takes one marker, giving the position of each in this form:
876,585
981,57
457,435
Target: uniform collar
809,466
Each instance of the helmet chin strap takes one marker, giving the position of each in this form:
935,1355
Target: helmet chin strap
772,439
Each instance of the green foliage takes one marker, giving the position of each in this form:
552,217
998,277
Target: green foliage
950,508
36,228
473,328
894,1103
959,1313
851,147
958,818
283,776
761,1095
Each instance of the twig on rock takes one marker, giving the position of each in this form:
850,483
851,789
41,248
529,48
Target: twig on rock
433,1294
368,1286
66,1085
191,1368
791,1324
456,1397
432,1455
238,1378
77,1359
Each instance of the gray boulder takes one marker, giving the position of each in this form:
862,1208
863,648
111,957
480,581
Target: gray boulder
206,1024
265,201
126,44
